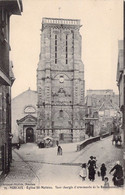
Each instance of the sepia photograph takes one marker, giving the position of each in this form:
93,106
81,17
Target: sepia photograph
62,96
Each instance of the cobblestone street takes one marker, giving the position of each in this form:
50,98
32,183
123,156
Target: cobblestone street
32,165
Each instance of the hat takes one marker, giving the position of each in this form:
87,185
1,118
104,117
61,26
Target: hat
118,162
84,165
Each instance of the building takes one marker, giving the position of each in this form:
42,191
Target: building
101,105
60,81
24,117
120,75
121,86
7,8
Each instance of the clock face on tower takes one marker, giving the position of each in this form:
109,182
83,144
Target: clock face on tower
61,79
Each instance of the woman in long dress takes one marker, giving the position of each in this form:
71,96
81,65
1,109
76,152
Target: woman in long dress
117,175
91,169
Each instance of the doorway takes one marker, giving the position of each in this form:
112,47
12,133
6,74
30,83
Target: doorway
29,135
92,130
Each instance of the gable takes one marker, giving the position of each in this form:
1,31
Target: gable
107,105
27,119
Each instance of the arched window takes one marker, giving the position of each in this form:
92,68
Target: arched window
29,110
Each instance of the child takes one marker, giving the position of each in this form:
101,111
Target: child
103,171
106,183
83,172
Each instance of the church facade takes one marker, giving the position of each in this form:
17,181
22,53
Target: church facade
24,117
60,81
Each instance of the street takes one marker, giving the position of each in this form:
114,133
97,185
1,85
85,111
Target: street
32,165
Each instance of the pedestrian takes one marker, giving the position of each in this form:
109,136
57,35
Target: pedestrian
106,182
91,169
92,162
83,172
117,175
59,150
103,171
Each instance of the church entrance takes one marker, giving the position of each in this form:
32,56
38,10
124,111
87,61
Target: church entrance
29,135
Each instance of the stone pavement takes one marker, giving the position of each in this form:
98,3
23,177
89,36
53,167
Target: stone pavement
101,149
34,165
21,170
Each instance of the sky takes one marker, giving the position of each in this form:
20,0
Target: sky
102,27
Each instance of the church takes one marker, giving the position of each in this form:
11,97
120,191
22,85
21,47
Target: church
24,117
60,82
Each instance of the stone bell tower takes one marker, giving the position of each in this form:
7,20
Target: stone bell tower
60,81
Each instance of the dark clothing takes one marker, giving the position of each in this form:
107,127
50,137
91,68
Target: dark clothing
59,150
103,171
91,173
91,169
92,163
118,175
118,170
41,145
118,181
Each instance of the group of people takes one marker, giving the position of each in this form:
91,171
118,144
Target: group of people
102,172
91,165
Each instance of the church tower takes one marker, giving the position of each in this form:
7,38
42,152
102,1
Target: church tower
60,81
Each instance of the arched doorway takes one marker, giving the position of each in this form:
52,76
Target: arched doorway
29,135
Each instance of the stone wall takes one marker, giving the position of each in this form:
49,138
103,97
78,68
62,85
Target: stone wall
60,81
5,125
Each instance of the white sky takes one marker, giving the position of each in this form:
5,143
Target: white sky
102,22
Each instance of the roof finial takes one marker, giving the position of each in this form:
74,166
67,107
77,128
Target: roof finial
59,11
